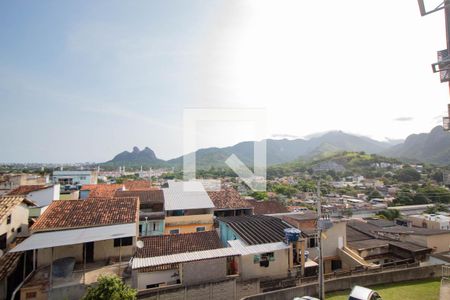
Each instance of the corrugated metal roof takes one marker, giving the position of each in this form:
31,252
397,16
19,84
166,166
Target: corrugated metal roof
186,195
50,239
256,249
183,257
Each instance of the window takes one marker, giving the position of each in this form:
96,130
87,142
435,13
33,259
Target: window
336,264
175,231
3,241
8,219
31,295
19,229
312,242
82,177
200,229
126,241
269,256
155,226
140,228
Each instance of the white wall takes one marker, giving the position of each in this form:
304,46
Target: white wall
19,218
277,268
46,196
147,278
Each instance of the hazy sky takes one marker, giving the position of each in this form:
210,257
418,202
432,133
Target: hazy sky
84,80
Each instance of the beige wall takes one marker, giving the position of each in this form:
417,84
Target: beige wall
332,237
105,249
19,218
278,268
439,242
102,251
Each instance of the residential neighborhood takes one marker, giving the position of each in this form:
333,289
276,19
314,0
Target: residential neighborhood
224,150
174,237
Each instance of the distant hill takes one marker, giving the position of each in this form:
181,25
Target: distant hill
432,147
282,151
136,158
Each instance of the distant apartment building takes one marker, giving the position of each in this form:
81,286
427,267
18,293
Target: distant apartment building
188,208
431,221
74,177
9,182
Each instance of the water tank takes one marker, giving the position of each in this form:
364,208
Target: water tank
291,235
63,267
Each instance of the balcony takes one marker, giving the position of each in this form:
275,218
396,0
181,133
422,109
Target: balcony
189,220
151,215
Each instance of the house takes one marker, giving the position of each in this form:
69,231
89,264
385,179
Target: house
333,238
14,267
188,208
267,232
228,202
74,178
14,215
265,207
435,239
100,190
138,185
431,221
181,259
9,182
75,241
41,195
151,210
382,252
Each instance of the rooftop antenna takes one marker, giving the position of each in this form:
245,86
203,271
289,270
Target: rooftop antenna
442,66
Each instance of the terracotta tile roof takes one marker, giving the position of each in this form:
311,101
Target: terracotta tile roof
178,243
146,198
7,204
267,207
133,185
8,263
26,189
63,214
228,198
256,230
101,190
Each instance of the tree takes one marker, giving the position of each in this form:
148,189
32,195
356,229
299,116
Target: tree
348,212
373,193
259,195
408,174
110,287
437,208
389,214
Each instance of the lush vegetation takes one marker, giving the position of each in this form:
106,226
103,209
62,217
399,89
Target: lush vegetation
413,290
389,214
110,287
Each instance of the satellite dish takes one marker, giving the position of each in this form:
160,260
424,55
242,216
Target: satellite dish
140,244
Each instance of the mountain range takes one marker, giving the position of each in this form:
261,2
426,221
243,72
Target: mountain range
433,147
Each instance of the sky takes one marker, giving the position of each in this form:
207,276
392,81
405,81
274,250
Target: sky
84,80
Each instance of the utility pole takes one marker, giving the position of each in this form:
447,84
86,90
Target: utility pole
319,243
